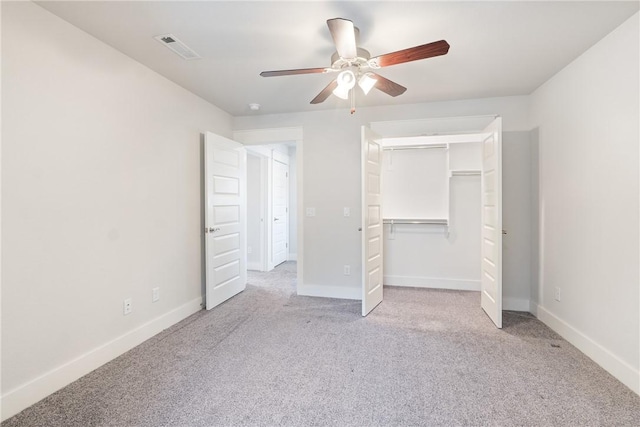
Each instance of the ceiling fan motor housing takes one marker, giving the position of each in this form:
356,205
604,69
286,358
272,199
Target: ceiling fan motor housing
338,63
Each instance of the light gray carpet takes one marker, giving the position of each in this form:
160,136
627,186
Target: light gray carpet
268,357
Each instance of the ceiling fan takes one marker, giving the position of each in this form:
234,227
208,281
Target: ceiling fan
354,64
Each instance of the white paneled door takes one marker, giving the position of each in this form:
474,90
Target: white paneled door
371,221
225,218
491,283
280,209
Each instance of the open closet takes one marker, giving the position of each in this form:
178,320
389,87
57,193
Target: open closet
432,214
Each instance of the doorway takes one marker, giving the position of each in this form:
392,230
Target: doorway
272,150
272,216
271,201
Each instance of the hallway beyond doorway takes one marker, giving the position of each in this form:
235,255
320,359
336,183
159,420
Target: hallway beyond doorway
282,277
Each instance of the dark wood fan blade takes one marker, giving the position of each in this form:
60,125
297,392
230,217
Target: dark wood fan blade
387,86
424,51
324,94
344,37
294,72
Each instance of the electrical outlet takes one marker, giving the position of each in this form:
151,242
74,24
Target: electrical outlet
127,306
347,211
347,270
155,294
249,249
558,294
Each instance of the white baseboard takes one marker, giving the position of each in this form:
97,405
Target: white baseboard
515,304
434,283
37,389
341,292
625,373
292,257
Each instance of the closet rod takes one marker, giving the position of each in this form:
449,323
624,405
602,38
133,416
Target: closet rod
394,221
414,147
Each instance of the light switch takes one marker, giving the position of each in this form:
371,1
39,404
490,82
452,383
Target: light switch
347,211
311,211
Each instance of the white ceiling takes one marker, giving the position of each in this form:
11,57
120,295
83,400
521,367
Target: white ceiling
497,48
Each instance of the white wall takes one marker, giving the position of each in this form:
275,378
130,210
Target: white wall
415,183
516,220
331,163
587,119
101,181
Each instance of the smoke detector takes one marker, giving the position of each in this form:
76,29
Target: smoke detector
178,47
254,107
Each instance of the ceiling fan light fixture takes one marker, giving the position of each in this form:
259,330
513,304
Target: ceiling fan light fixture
346,79
342,92
367,82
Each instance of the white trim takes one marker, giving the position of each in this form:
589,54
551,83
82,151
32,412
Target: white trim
341,292
292,257
625,373
1,234
432,282
33,391
515,304
299,211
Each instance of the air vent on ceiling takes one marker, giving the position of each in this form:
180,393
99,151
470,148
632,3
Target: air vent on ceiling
172,42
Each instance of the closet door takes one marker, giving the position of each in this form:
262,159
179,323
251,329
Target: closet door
491,283
371,221
280,209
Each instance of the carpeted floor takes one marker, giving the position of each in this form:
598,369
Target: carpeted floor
268,357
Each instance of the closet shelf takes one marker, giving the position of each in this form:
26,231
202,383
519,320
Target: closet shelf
414,147
464,172
395,221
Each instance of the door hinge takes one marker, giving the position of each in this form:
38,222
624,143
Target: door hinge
286,174
286,245
286,210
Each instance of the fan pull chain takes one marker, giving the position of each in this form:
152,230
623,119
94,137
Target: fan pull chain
353,100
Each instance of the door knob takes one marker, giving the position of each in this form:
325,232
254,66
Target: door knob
211,230
276,219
